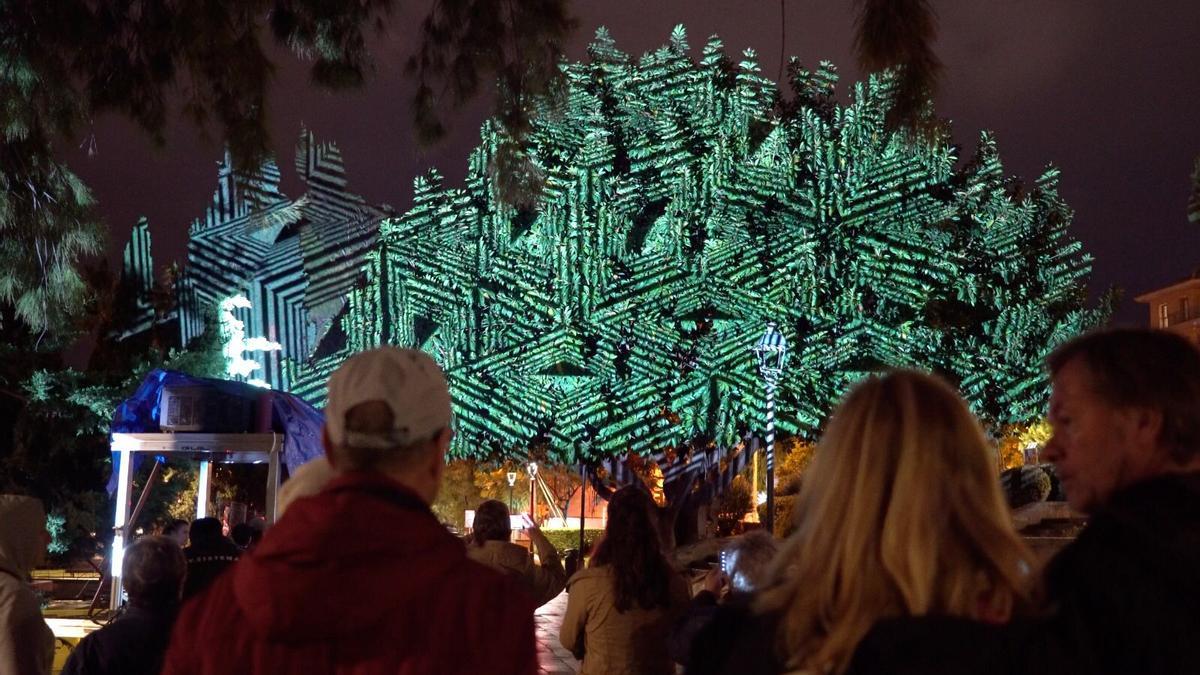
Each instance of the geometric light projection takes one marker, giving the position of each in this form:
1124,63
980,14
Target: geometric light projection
683,210
294,260
136,283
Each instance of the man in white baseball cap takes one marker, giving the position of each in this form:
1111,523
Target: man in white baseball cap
362,577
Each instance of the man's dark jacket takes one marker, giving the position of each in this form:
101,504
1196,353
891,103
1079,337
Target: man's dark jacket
1123,598
205,562
726,639
132,645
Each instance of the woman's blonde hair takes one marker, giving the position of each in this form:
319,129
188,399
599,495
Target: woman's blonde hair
900,515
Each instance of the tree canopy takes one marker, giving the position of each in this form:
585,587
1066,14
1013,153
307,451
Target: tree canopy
685,204
65,61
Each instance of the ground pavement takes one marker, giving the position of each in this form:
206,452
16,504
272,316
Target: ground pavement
552,658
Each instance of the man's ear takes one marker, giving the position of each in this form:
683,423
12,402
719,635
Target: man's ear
1147,426
328,446
443,447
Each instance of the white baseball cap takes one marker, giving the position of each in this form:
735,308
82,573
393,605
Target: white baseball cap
407,380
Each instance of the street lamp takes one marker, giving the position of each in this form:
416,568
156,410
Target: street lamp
531,469
512,480
771,352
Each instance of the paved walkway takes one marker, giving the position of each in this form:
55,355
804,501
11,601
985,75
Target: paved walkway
552,658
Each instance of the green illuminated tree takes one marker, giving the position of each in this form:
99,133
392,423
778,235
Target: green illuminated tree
683,206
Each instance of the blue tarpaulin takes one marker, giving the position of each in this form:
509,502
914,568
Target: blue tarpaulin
291,416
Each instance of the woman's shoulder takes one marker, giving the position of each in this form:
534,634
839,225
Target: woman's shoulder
591,575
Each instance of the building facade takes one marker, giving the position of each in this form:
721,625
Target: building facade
1176,308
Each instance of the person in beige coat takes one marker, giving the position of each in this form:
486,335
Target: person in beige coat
26,643
490,545
620,610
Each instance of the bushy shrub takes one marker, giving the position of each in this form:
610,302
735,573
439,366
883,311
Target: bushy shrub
1025,485
568,539
735,501
784,508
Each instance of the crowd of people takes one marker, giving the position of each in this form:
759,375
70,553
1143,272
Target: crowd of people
904,558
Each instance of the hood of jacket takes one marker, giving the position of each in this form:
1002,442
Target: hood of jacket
364,549
22,534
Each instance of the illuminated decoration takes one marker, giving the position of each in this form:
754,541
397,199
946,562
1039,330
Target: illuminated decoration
236,344
295,260
683,208
137,281
771,353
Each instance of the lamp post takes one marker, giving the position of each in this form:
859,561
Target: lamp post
512,480
531,469
771,352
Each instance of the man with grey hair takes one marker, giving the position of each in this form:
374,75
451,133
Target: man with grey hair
362,578
152,574
1123,597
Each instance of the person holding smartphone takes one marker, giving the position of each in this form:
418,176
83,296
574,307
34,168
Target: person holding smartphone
490,546
729,587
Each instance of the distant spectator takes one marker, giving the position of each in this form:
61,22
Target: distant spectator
245,536
209,554
620,610
1123,597
490,545
26,642
728,591
177,531
152,574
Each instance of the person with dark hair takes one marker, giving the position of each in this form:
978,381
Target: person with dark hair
621,608
1123,597
490,545
244,536
209,554
177,530
26,642
152,574
361,577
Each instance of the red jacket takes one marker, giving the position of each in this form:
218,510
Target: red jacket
358,580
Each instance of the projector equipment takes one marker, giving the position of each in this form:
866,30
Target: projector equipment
204,409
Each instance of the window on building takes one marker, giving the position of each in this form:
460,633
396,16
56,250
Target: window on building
1184,313
1163,318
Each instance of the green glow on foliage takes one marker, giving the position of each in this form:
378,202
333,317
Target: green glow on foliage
682,208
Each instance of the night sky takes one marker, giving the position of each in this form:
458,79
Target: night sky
1108,91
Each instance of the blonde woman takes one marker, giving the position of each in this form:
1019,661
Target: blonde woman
900,515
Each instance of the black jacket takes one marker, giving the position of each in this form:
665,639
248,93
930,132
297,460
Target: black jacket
1123,598
727,638
206,562
134,644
